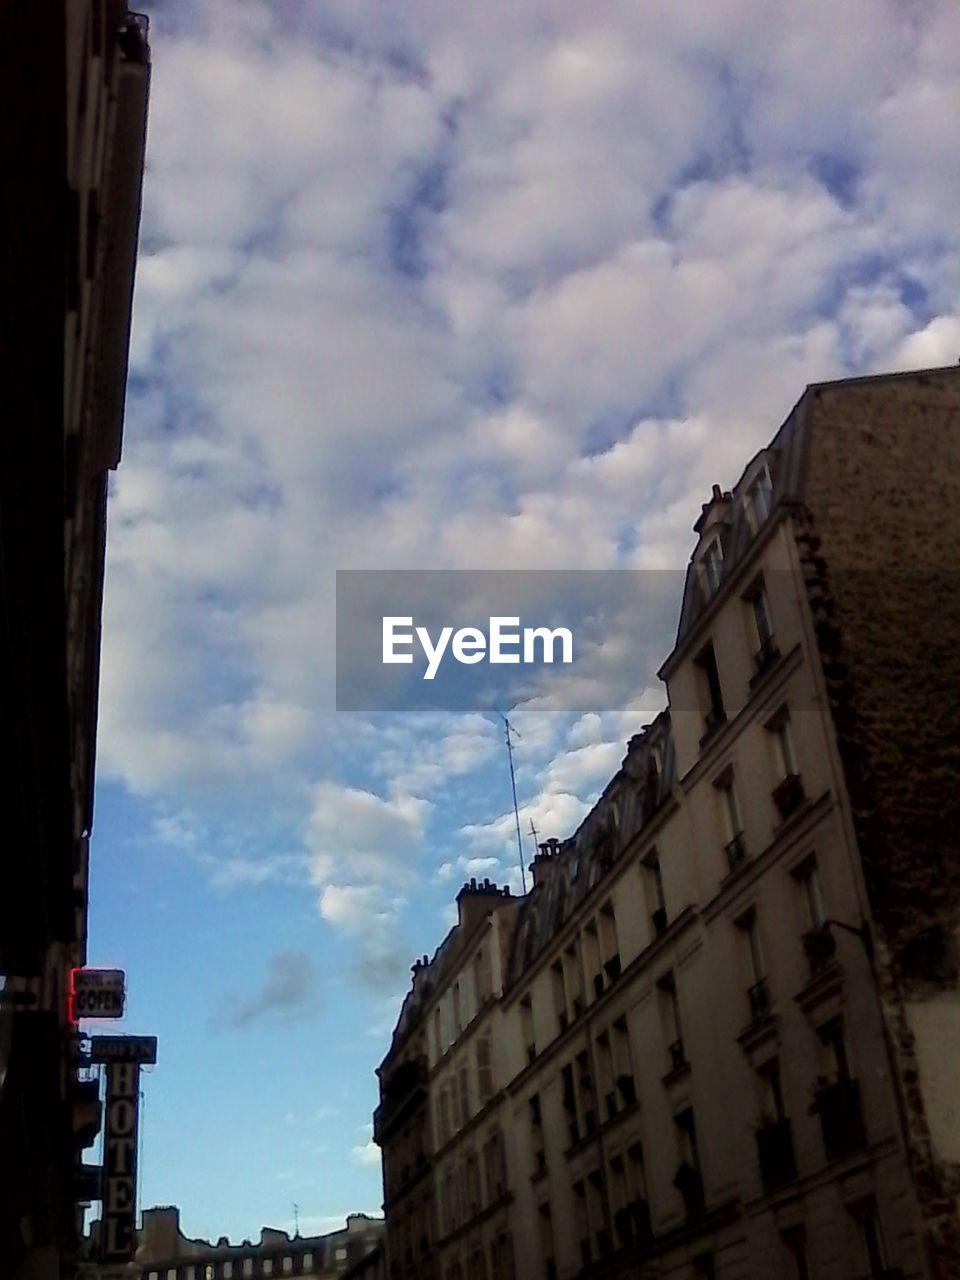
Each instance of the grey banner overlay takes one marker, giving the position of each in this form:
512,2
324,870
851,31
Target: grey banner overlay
622,624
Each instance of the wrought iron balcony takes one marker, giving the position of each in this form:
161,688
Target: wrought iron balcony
632,1224
819,946
789,795
765,656
775,1149
713,721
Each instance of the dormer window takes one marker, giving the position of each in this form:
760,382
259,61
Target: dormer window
758,500
712,563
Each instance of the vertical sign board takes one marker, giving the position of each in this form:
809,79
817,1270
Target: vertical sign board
120,1162
122,1056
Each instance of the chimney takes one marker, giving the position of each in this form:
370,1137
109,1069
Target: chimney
475,901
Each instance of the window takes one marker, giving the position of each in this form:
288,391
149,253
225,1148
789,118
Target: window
871,1239
669,1007
622,1062
248,1266
559,994
763,627
730,818
795,1248
547,1246
836,1061
704,1267
747,924
591,959
687,1138
227,1271
808,878
526,1028
484,1069
759,499
465,1107
772,1107
582,1222
209,1271
786,756
172,1273
788,794
712,562
437,1034
609,945
653,891
536,1135
446,1127
457,1022
267,1267
340,1252
482,977
287,1264
307,1264
191,1273
711,693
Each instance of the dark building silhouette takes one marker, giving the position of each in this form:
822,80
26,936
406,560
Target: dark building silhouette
76,77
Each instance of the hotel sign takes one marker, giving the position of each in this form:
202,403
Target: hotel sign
119,1222
96,993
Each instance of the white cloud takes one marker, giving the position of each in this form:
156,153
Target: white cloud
446,285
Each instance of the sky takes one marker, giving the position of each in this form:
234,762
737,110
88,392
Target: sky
430,285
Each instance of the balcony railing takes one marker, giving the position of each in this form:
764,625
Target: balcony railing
714,720
632,1224
819,946
759,995
841,1119
789,795
598,985
659,918
612,967
775,1149
736,851
765,656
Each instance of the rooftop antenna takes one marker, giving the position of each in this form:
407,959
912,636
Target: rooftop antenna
535,833
508,730
296,1220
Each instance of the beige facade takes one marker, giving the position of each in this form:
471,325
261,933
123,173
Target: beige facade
721,1039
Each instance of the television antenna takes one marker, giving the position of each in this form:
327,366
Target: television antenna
509,733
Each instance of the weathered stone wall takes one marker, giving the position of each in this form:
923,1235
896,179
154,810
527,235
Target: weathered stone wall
880,539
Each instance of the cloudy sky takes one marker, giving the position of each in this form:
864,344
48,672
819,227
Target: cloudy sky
441,285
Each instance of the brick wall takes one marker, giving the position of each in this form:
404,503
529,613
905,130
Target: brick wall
880,541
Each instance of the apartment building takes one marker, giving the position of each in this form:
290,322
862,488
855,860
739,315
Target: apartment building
441,1116
165,1253
726,1030
77,77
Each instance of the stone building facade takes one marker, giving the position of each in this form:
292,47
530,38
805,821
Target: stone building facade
724,1035
73,155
